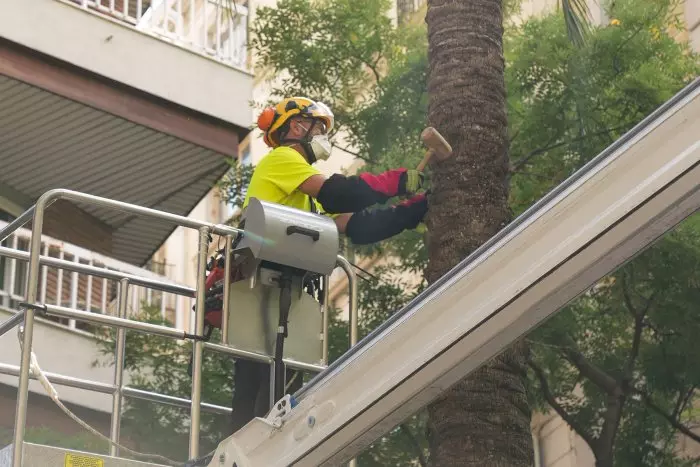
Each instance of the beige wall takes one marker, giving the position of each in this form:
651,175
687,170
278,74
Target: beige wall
556,445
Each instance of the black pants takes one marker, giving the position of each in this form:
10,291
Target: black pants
251,392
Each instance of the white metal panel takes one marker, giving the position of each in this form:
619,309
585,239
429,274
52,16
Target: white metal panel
37,455
606,213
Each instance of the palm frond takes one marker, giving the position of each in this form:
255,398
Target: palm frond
577,17
230,8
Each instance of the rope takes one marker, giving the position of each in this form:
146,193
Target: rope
53,394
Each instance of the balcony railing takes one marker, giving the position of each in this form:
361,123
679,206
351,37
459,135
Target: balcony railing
215,28
74,290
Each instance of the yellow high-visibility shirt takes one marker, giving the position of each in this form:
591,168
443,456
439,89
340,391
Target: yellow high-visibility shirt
277,178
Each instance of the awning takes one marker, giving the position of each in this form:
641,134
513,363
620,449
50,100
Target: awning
49,141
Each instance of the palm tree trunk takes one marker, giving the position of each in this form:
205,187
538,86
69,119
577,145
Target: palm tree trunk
485,419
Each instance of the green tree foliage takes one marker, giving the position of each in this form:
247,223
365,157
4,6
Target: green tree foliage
617,364
332,51
566,104
621,364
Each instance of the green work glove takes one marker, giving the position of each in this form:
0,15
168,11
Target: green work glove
411,181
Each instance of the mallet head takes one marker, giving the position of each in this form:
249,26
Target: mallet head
435,141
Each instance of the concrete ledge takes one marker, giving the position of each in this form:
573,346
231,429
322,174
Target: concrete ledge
64,351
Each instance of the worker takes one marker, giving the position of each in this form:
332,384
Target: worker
297,129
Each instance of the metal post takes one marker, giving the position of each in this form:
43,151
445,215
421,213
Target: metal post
88,292
217,29
352,285
74,278
272,384
198,344
27,331
140,326
13,270
11,323
179,25
44,275
204,27
119,370
227,289
326,318
190,33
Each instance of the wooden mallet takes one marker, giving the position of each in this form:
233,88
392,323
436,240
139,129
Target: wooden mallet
437,145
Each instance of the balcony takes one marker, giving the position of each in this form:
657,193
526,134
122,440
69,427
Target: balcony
189,52
213,28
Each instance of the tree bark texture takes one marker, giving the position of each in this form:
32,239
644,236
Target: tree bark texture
485,419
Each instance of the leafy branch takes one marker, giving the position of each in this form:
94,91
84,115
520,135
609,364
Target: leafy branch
525,159
673,421
552,401
406,430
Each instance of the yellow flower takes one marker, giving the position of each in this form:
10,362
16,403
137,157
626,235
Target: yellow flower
655,32
614,22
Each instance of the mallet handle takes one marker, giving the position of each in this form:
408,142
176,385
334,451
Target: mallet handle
428,154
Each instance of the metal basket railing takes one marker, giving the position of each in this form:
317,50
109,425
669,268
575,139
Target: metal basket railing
30,307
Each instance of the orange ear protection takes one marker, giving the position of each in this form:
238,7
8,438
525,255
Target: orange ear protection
265,121
266,118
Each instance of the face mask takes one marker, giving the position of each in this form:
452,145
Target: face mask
321,147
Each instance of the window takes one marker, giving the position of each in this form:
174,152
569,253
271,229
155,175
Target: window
245,156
